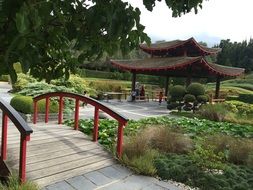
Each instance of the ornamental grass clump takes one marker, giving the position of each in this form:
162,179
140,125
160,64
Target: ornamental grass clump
168,141
214,112
13,183
236,150
137,153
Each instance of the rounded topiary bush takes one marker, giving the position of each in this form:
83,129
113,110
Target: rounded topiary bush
189,98
202,98
177,92
24,104
172,105
196,89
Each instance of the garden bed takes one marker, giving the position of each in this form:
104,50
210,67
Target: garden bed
197,152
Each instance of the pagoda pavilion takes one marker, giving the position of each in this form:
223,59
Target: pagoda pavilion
178,58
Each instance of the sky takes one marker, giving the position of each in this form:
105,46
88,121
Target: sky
218,19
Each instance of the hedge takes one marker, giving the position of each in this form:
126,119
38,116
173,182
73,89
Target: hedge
24,104
246,98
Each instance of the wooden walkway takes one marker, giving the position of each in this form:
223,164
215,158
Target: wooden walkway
56,152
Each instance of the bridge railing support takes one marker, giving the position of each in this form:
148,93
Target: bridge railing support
9,113
122,121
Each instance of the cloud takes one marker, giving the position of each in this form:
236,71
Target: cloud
219,19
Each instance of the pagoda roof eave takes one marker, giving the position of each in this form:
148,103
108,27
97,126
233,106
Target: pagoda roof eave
171,64
167,46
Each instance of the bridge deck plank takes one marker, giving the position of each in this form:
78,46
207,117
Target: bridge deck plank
56,152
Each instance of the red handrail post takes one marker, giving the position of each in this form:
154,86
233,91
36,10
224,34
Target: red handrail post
120,140
60,110
22,159
95,129
47,109
4,137
35,112
76,114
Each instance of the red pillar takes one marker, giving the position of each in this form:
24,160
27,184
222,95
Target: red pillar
35,112
76,114
4,137
95,129
60,114
47,109
120,140
22,159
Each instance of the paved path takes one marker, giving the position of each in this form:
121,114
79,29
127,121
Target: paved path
4,88
108,175
131,110
114,177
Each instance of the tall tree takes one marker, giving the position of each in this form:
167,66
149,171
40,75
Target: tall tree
237,54
50,37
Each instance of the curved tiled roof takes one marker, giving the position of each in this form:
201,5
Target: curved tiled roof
176,45
167,64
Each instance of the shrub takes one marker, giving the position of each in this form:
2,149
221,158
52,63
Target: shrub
74,82
38,88
173,105
189,98
214,112
24,104
196,89
22,81
247,98
177,92
202,98
168,141
207,158
4,78
236,150
182,169
240,107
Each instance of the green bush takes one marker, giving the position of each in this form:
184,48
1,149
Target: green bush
207,158
177,92
4,78
196,89
38,88
22,81
202,98
238,107
74,82
189,98
24,104
247,98
183,169
173,105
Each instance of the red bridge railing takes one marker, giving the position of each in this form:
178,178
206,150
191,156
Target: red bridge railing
122,121
8,112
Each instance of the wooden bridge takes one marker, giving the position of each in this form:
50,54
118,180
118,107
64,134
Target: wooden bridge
55,152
